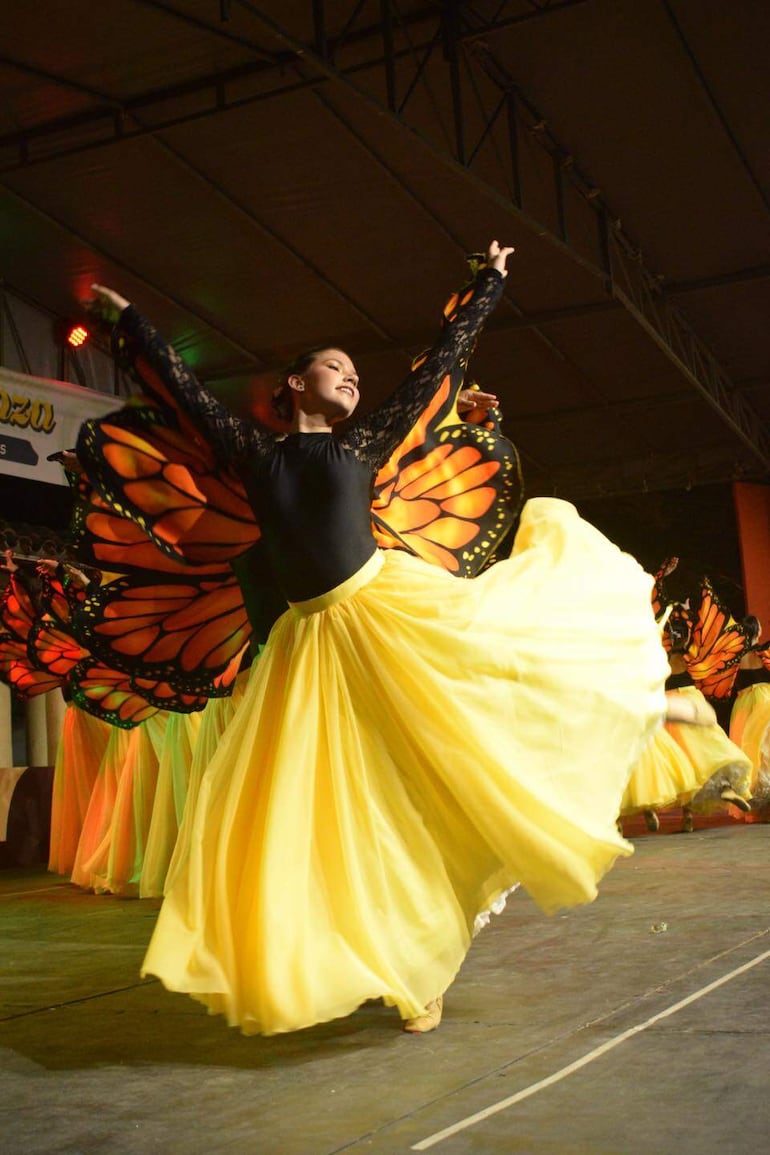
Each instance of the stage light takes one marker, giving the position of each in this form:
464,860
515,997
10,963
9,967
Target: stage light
76,336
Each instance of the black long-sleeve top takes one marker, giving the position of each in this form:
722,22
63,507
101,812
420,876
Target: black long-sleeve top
311,492
745,678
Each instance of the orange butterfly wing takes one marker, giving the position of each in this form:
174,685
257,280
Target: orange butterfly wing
168,623
451,491
717,645
153,474
53,649
181,633
18,672
17,608
108,695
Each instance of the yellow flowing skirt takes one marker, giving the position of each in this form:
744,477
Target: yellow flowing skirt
168,805
117,865
750,729
663,776
78,757
112,845
94,837
409,746
719,761
214,720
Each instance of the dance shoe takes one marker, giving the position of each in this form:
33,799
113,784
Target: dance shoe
729,795
427,1022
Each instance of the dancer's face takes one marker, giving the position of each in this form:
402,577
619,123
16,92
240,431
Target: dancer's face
329,385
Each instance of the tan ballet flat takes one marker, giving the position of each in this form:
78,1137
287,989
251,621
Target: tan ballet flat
729,795
427,1022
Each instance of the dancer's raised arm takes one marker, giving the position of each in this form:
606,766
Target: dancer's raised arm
230,436
375,436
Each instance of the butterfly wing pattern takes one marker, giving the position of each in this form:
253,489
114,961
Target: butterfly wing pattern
718,642
451,491
159,619
166,521
38,653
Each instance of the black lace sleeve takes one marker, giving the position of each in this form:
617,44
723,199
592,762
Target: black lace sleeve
231,437
375,436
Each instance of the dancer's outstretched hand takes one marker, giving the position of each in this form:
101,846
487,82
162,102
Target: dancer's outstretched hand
475,399
106,304
497,256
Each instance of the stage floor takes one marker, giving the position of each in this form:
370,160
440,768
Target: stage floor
639,1024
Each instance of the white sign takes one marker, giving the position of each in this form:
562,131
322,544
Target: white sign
39,417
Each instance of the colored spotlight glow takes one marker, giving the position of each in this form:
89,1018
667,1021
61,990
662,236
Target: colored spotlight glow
77,335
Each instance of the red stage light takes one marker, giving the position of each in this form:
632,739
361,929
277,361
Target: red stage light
77,335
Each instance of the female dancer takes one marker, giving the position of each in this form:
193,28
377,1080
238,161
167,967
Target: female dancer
750,717
695,769
411,744
725,770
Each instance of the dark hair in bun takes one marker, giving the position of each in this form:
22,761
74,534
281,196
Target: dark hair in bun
752,628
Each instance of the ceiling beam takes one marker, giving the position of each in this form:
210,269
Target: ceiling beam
57,80
715,105
718,281
203,319
110,120
618,477
618,265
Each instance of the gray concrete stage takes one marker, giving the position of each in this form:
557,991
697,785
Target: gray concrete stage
94,1060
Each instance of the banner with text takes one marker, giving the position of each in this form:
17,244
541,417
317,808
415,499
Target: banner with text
39,417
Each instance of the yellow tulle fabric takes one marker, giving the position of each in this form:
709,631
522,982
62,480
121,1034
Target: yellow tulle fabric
663,776
410,746
214,720
112,844
168,805
750,729
720,762
101,805
117,865
79,754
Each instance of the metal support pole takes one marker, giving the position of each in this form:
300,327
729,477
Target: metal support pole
386,11
450,28
36,731
319,28
6,727
16,335
558,184
55,709
513,146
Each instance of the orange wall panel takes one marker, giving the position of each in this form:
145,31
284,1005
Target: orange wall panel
752,509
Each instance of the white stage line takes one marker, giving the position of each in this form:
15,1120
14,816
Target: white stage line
557,1077
36,890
